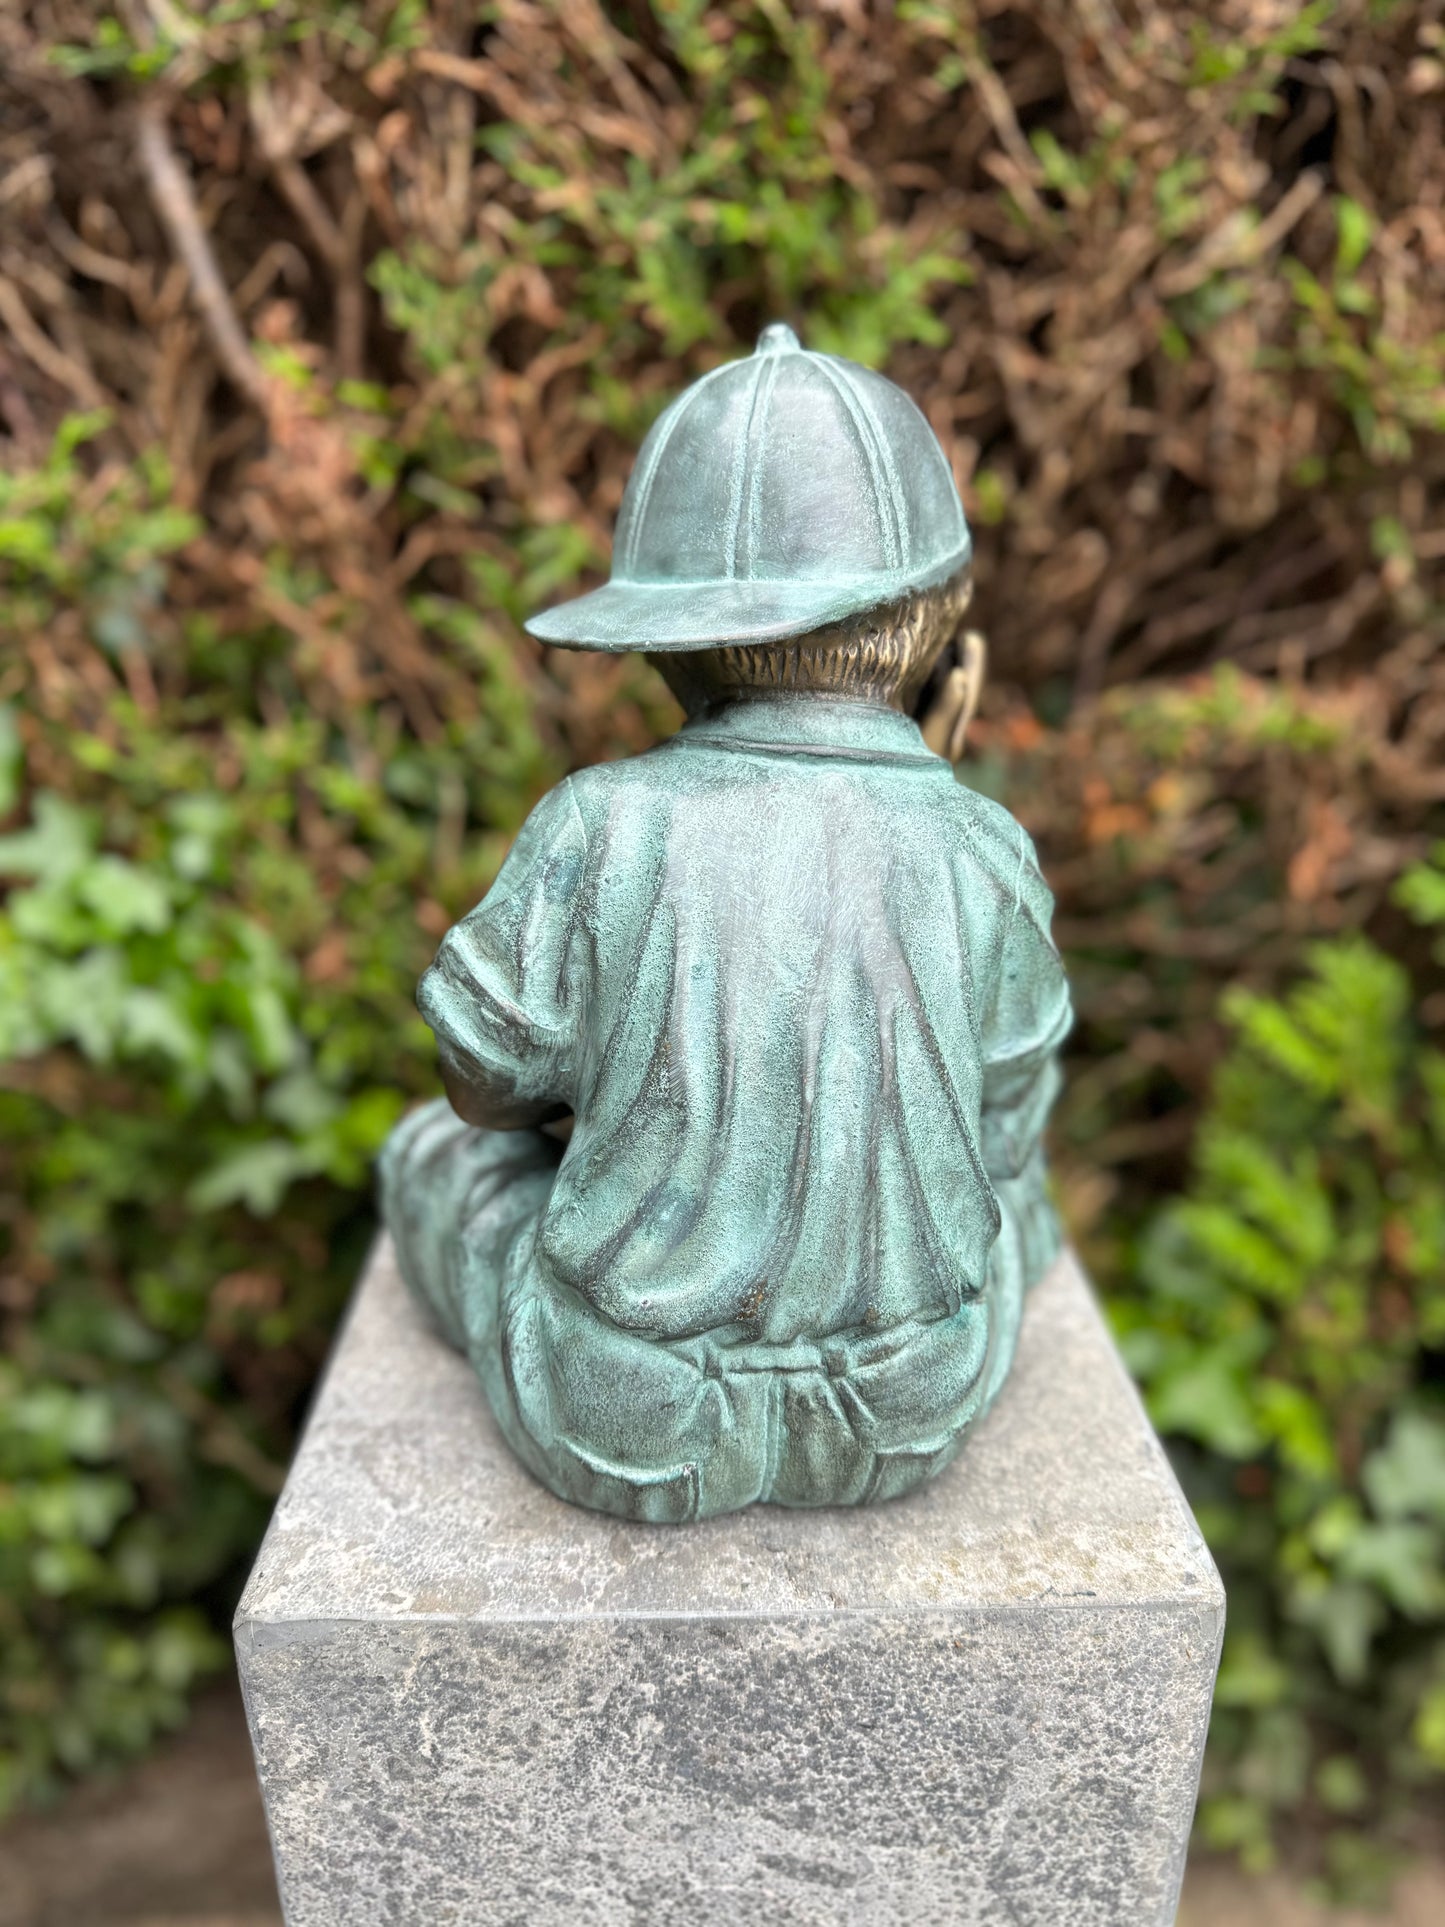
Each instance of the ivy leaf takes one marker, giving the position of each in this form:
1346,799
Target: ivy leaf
1406,1475
1345,1617
1205,1399
57,845
12,759
123,897
257,1175
1421,890
1402,1561
1294,1420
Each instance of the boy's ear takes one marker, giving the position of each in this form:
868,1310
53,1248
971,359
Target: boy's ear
946,724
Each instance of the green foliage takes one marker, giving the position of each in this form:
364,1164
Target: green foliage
208,947
109,537
1392,387
755,197
1283,1319
1251,63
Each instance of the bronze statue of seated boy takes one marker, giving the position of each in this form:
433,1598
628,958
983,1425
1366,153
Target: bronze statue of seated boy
793,982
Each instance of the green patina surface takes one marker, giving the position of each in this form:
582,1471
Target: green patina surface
780,493
795,985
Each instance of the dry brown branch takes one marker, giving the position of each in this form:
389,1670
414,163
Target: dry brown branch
14,406
88,260
1238,244
175,203
33,342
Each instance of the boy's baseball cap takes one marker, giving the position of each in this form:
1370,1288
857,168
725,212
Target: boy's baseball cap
776,495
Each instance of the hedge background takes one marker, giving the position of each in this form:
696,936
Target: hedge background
327,333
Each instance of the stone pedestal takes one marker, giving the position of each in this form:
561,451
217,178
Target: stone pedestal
983,1704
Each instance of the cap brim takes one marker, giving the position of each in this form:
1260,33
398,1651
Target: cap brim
668,616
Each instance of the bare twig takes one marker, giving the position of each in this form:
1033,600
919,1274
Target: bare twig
337,242
175,203
88,260
339,245
221,1439
309,208
351,291
13,405
1236,245
33,342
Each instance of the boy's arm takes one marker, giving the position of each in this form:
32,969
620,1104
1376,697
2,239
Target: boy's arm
1029,1018
491,1104
1018,1095
502,996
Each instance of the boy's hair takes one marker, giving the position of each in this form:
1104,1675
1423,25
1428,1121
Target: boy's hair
884,654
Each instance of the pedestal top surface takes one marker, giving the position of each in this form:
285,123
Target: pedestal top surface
404,1502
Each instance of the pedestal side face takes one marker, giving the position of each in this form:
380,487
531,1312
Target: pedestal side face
935,1770
985,1704
404,1499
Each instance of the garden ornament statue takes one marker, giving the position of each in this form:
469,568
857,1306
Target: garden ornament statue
792,981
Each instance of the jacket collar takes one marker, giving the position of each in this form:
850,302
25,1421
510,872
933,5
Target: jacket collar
811,724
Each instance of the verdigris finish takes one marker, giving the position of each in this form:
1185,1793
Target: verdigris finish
777,494
793,982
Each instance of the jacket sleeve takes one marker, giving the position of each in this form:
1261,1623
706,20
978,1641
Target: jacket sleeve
1027,1021
503,995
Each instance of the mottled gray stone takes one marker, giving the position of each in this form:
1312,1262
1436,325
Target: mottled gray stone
473,1703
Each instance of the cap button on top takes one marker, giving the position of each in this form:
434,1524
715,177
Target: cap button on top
778,339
